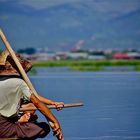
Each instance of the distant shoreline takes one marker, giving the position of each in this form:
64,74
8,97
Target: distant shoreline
89,65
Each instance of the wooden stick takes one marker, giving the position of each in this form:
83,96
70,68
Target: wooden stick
21,70
53,106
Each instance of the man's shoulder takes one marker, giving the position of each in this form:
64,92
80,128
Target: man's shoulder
15,81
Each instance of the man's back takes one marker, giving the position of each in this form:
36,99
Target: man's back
12,89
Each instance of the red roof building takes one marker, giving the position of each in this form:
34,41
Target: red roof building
121,56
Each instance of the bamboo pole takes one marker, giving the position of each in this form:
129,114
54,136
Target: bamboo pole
52,106
21,70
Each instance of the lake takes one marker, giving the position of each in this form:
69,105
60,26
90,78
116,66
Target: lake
111,100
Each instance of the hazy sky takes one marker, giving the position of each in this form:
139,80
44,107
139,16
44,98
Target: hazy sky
63,23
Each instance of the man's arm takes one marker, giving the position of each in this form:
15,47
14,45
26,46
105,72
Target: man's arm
49,116
59,105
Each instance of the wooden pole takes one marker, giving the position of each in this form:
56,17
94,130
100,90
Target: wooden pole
21,70
53,106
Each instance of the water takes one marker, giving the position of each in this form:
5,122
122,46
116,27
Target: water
111,103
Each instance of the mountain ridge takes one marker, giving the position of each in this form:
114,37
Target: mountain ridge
63,26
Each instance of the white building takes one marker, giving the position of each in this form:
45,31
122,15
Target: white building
78,55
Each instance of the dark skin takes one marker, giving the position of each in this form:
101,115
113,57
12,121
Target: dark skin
49,116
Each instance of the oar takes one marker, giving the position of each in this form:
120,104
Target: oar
52,106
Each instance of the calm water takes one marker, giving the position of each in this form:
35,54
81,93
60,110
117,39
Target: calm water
111,103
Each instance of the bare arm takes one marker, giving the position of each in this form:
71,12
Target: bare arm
49,116
59,105
45,100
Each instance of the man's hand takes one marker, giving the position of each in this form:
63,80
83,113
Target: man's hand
57,131
58,105
24,118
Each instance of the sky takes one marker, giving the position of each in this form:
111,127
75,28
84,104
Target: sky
62,24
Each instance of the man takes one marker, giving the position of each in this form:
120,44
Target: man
12,91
